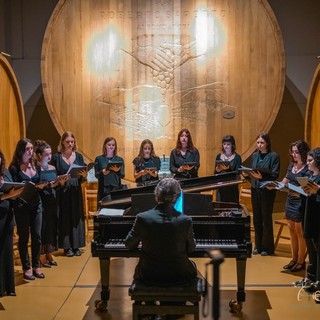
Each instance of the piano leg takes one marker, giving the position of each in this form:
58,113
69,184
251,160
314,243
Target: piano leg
102,305
236,306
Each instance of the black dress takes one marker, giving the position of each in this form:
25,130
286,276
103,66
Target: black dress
71,224
6,246
229,194
293,203
49,231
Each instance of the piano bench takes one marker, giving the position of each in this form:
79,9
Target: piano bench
182,299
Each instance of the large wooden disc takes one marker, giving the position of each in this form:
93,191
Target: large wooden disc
12,121
146,69
312,122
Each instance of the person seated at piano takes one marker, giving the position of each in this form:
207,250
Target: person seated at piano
266,165
227,161
146,164
109,168
166,238
185,158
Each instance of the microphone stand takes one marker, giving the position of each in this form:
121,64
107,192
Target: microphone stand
216,259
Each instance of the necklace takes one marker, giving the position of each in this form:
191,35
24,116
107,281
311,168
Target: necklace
296,169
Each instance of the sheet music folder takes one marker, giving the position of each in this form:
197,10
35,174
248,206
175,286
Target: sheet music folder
7,186
74,170
107,212
114,163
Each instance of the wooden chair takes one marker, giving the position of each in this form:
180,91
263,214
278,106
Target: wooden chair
245,199
90,199
282,223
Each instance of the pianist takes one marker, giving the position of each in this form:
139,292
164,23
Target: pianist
166,237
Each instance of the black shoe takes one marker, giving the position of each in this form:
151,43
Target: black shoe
290,265
29,277
11,294
314,287
38,275
68,252
77,252
255,251
298,267
53,263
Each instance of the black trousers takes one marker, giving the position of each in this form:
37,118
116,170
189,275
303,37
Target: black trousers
262,205
29,221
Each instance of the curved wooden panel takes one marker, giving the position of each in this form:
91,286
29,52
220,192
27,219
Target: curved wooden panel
12,121
146,69
312,122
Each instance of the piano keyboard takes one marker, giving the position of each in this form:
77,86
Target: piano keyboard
201,244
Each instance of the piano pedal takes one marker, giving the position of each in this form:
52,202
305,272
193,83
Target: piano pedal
235,306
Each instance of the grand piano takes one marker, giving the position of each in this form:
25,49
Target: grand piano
217,225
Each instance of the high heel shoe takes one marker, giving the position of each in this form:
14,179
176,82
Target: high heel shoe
298,267
50,260
290,265
44,261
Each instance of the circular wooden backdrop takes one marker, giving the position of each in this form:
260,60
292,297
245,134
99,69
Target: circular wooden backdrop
312,123
12,121
146,69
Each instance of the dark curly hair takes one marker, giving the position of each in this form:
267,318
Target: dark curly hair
303,149
315,154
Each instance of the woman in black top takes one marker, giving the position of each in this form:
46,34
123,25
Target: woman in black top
6,234
266,165
109,168
297,168
146,164
27,208
311,221
185,158
71,224
227,161
49,230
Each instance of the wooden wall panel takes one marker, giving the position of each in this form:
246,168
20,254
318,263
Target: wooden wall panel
12,121
312,125
146,69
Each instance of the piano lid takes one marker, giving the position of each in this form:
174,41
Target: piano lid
194,185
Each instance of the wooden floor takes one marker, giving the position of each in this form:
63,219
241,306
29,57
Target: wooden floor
70,289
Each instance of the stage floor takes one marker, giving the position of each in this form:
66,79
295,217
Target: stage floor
70,289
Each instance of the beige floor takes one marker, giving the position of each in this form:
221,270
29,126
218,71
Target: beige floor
70,289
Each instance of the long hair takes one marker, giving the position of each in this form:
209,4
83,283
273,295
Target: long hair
108,139
266,138
190,145
303,149
64,136
229,138
315,154
143,143
19,151
3,163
